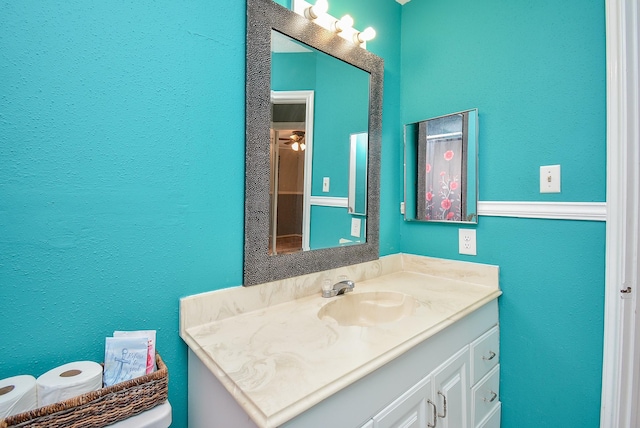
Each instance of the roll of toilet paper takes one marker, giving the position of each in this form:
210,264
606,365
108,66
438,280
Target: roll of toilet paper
17,395
67,381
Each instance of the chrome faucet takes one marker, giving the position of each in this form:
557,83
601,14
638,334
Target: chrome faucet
344,286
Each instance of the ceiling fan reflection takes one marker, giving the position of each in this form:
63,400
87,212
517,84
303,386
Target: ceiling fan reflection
296,140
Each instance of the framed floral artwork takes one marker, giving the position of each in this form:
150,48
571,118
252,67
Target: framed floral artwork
441,171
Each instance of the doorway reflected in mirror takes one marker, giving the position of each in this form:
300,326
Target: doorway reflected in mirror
287,154
290,154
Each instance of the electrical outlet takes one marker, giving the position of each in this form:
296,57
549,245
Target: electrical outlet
467,241
355,227
401,207
550,179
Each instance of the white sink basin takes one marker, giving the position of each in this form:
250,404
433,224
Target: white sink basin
369,309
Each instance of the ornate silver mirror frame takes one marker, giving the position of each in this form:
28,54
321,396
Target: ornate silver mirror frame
260,267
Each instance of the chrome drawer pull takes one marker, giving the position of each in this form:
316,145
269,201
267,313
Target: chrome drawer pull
444,405
492,399
492,355
435,415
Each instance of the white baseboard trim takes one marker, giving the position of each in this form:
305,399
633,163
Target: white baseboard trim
329,201
593,211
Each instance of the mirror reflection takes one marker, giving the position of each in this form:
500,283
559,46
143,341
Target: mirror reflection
319,117
441,168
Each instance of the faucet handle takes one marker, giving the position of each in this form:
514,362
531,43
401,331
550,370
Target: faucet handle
327,288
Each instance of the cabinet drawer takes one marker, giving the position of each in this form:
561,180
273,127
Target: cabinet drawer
485,354
493,420
486,396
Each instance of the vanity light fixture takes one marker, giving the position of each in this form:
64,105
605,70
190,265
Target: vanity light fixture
343,23
364,36
320,8
343,27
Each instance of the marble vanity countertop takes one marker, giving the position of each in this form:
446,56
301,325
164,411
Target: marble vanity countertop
280,359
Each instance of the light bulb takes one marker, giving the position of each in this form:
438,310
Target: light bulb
364,36
303,146
322,6
343,23
317,9
295,146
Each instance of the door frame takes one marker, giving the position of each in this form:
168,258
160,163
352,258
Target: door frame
621,373
307,98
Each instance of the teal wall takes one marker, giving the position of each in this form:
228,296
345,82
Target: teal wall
122,170
536,72
293,71
330,224
121,174
341,109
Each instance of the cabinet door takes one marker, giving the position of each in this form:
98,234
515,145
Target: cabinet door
451,391
411,409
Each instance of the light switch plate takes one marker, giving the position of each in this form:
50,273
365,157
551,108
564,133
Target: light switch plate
550,179
467,241
325,184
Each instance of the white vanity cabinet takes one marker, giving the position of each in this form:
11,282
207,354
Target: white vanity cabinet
463,392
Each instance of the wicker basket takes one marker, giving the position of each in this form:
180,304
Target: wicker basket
99,408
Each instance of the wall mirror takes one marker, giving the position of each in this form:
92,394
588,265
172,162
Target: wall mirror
313,129
441,168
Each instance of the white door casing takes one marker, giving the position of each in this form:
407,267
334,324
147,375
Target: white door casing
621,370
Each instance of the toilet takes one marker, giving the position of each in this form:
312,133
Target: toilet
158,417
